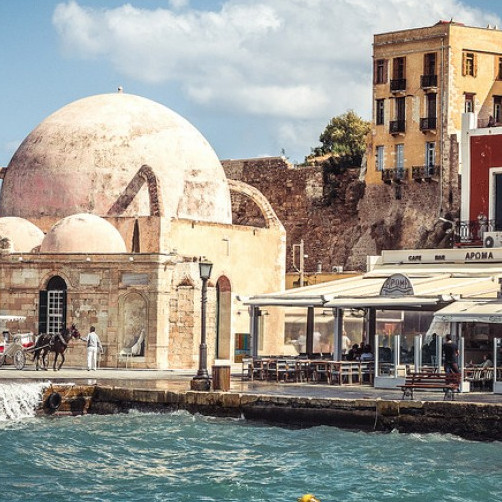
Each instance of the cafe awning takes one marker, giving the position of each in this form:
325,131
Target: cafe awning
384,302
472,311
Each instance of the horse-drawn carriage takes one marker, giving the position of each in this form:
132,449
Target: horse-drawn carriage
14,346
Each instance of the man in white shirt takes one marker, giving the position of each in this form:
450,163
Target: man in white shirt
93,344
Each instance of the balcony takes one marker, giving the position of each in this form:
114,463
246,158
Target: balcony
396,175
425,173
397,126
470,233
398,85
428,81
428,124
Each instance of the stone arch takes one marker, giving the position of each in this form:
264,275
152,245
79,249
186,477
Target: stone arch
144,175
223,318
133,318
271,219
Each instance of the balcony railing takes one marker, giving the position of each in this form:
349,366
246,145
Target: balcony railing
397,126
428,81
428,124
425,173
398,84
470,233
396,175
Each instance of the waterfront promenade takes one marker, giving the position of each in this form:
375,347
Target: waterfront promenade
179,381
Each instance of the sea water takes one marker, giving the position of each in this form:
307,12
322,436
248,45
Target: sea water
181,457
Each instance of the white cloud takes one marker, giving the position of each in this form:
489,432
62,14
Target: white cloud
288,59
178,4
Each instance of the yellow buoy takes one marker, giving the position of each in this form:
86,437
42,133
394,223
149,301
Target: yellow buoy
308,497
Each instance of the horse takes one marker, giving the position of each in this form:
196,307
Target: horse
56,343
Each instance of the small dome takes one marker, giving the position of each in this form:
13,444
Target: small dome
23,235
83,233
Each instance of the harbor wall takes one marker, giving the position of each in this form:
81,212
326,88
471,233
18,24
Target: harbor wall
477,421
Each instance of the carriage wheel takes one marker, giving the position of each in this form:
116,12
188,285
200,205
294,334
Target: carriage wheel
2,359
19,359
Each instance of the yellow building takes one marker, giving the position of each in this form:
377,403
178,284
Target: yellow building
423,80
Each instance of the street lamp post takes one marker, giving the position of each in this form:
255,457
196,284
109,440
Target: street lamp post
201,380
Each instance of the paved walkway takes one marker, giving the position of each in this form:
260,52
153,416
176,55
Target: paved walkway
180,381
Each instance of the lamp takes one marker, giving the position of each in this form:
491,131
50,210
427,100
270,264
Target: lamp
201,380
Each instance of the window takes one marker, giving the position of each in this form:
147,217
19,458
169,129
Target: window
400,156
379,158
430,154
431,106
380,111
469,64
430,64
469,103
497,109
380,71
499,69
52,306
399,68
401,109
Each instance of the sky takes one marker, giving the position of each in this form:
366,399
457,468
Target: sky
255,77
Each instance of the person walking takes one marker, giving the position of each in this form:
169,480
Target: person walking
93,344
450,352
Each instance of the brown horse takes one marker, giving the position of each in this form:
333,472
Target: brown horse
56,343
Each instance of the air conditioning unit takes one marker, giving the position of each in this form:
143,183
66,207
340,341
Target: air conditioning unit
492,239
337,269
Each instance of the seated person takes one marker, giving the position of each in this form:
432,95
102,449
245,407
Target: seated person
487,362
353,354
367,354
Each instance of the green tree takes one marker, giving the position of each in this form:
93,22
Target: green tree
344,136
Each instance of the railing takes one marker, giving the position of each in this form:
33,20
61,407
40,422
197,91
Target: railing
489,122
427,81
427,173
398,84
397,126
428,123
397,175
470,233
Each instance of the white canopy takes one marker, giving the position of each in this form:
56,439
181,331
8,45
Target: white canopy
472,311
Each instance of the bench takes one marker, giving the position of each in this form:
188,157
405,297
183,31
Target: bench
447,382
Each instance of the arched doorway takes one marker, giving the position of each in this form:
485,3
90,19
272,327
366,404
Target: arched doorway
223,318
52,306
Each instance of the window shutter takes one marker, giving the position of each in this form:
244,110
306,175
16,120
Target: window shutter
385,71
375,71
464,64
42,312
65,295
475,65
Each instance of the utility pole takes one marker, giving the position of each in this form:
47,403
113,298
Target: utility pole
301,267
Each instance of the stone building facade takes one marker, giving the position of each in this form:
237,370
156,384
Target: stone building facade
105,211
424,79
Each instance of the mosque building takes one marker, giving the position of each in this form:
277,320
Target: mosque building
106,208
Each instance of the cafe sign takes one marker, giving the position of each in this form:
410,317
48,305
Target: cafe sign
397,285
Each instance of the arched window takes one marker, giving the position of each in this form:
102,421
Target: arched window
52,306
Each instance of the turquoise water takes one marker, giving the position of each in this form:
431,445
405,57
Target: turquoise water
180,457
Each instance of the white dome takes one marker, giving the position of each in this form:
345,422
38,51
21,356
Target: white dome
23,235
83,233
85,158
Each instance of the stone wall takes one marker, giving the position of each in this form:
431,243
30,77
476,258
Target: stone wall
480,421
339,217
